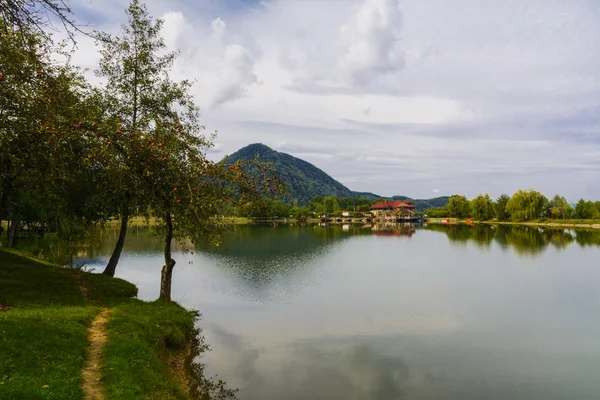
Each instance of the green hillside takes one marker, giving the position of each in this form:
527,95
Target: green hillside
305,181
424,204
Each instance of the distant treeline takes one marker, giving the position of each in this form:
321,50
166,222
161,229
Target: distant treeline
524,205
523,239
319,205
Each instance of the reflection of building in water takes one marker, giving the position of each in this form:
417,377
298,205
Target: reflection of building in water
391,229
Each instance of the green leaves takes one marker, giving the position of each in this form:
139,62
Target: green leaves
42,138
458,206
482,207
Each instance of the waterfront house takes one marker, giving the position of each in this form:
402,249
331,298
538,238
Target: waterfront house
394,209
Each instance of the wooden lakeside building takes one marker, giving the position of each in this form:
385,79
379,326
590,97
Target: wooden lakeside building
398,211
382,211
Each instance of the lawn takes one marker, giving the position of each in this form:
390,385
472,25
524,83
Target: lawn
45,312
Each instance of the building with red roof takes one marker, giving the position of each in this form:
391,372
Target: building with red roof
393,209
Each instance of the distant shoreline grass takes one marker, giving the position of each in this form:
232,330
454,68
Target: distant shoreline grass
153,221
45,313
593,224
564,223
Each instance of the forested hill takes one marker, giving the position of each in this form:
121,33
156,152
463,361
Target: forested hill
424,204
307,181
304,179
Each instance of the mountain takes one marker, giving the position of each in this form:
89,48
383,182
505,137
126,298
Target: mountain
307,181
304,179
424,204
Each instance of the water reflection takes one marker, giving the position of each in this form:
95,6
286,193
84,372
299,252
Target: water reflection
524,240
260,254
388,311
398,367
261,248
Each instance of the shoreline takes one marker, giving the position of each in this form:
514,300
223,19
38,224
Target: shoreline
583,225
157,335
591,224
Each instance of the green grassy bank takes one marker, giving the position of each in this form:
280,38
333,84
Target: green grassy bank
45,312
565,223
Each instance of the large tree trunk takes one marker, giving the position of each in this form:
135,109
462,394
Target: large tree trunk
111,267
12,232
167,269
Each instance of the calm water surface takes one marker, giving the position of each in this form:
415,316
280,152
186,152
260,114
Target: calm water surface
437,312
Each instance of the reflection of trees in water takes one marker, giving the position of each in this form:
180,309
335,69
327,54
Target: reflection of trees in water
559,238
63,249
587,238
267,246
139,240
96,242
258,254
261,252
524,240
199,386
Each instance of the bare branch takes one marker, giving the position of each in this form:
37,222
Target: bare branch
37,16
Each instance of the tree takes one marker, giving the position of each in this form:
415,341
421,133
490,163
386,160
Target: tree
34,17
161,146
458,206
500,207
482,207
586,210
43,175
139,95
558,201
559,207
526,205
437,212
193,189
331,205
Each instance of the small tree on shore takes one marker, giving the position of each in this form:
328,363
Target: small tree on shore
482,207
526,205
458,206
140,95
500,207
161,147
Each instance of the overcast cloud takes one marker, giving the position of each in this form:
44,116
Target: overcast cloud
413,97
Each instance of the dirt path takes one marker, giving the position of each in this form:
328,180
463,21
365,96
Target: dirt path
91,373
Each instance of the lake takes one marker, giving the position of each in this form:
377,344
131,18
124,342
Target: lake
387,312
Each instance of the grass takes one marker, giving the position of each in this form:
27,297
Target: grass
43,350
538,222
550,222
140,336
44,317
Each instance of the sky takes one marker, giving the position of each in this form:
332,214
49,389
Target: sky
421,98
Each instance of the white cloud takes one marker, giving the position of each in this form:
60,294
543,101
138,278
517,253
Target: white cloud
235,75
370,41
436,190
218,28
176,30
401,97
224,70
